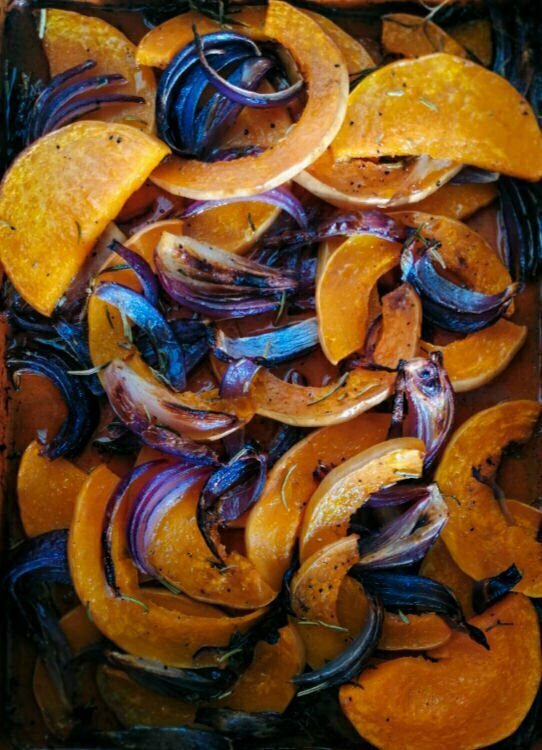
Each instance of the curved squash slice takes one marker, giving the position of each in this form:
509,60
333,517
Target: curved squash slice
481,356
266,685
413,632
401,326
458,201
476,37
273,522
343,290
46,491
443,701
347,487
439,565
475,515
144,243
358,183
71,38
141,627
449,108
135,705
47,230
324,71
411,36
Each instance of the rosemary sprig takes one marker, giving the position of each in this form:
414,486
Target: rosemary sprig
339,384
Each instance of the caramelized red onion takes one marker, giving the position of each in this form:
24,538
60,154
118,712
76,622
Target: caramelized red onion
489,591
237,378
141,268
270,347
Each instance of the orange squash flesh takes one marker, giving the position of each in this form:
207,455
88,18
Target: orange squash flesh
144,243
457,201
475,515
479,357
46,230
401,326
46,491
322,67
439,565
449,109
476,37
71,38
348,486
153,631
413,632
411,36
266,685
343,290
273,522
357,183
134,705
444,702
180,554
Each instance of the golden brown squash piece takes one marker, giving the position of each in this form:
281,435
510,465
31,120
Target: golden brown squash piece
478,534
72,38
401,326
444,107
480,357
464,697
46,491
458,201
59,196
476,37
413,632
413,36
273,522
136,624
347,487
322,67
439,565
344,288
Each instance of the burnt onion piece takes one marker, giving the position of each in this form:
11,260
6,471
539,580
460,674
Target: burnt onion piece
219,284
80,421
348,664
284,438
141,268
279,197
230,492
406,539
62,101
192,336
396,494
488,591
75,337
424,404
474,176
151,412
445,303
159,738
143,313
520,223
158,495
269,348
241,724
417,594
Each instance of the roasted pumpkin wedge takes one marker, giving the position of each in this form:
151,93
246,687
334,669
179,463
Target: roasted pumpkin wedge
141,627
144,243
347,487
442,701
71,38
401,327
46,230
343,290
477,38
46,491
322,66
457,201
439,565
413,632
273,522
481,356
497,131
412,36
134,705
496,540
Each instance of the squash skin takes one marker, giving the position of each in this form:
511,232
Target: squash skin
430,118
460,701
474,513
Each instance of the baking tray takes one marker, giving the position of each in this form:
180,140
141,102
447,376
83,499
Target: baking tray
21,724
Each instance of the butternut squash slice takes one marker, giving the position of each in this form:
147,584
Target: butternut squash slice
458,201
343,290
144,243
266,685
71,38
274,521
141,627
439,565
413,36
481,356
46,491
413,632
478,535
401,326
322,66
135,705
448,108
443,701
476,37
347,487
47,230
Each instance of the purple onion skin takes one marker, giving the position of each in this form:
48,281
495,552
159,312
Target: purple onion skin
489,591
424,404
237,378
141,268
271,347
